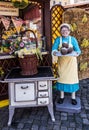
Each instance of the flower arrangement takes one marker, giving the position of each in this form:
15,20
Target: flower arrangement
26,48
22,46
20,3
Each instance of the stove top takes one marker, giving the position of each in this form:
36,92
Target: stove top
43,71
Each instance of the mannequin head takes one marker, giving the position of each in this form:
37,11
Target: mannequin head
65,29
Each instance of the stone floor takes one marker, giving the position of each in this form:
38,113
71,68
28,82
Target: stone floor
38,118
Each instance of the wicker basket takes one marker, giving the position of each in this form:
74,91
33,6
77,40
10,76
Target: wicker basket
29,63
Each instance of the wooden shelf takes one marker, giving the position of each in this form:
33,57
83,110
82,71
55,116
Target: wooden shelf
7,56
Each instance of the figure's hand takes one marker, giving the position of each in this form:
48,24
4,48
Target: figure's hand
77,54
54,53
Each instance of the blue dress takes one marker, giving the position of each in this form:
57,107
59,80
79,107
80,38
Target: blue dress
67,65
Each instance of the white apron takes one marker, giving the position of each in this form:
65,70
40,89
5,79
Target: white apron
67,67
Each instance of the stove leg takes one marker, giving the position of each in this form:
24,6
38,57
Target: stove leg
50,109
11,113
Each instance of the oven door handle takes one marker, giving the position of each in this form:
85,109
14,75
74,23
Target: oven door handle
24,87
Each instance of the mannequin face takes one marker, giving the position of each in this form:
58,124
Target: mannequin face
65,31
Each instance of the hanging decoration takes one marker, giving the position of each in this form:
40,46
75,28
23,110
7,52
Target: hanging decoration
17,23
6,22
21,4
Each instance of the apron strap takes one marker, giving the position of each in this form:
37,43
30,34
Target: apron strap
69,39
70,44
60,41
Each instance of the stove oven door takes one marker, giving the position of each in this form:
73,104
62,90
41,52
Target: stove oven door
25,92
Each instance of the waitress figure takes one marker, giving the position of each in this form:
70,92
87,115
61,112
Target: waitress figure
67,65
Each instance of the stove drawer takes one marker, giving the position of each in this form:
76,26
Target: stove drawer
43,101
43,94
24,92
42,85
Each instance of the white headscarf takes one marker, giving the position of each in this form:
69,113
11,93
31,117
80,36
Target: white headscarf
65,25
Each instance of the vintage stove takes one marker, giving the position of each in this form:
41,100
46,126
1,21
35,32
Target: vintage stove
30,91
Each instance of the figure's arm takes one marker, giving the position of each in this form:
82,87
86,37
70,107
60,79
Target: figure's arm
76,46
55,46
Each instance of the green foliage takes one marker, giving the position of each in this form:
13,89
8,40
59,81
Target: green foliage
1,72
20,5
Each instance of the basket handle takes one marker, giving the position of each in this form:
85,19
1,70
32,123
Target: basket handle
33,34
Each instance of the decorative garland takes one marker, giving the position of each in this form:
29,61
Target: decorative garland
21,4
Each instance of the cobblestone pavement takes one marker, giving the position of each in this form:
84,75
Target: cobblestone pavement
38,118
